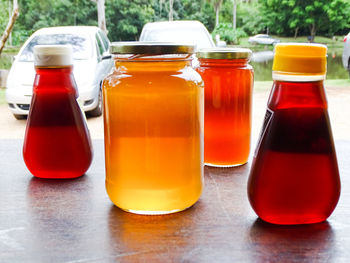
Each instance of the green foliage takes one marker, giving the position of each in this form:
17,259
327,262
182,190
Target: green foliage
226,32
35,14
284,17
185,10
3,15
125,18
249,17
198,10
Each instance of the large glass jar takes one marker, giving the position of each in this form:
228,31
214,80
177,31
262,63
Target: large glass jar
228,81
153,120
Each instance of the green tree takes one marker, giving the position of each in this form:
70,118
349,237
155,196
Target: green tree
249,16
35,14
125,18
286,16
4,15
217,6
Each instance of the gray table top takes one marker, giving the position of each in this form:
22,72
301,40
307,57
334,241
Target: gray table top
74,221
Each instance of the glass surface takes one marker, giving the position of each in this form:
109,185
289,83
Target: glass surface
81,45
57,142
228,101
294,177
153,136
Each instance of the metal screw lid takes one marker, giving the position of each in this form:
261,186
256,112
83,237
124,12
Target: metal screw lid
224,53
151,48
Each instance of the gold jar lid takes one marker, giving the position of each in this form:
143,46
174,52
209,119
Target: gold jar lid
224,53
151,48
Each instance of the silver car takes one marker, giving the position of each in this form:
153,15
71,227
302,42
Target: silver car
263,39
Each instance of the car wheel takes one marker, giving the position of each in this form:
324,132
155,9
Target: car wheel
20,116
98,110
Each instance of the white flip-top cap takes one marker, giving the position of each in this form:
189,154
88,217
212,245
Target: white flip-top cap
53,55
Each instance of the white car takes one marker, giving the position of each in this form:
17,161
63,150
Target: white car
346,53
92,63
263,39
193,32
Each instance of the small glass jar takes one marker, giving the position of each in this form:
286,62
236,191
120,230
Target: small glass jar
57,141
153,121
294,178
228,81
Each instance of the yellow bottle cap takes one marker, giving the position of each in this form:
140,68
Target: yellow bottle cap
300,59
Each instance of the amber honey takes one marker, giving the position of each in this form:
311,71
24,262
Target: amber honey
153,113
228,81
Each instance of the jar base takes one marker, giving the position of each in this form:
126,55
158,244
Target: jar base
57,175
142,212
294,221
224,165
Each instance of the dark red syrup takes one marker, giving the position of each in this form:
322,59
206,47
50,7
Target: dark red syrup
294,177
57,142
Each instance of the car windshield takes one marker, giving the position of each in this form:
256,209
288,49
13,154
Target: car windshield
81,47
191,35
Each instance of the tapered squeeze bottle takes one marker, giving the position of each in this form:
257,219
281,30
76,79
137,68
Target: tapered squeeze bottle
294,178
57,142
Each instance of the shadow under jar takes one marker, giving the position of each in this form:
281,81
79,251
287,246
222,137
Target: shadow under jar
153,122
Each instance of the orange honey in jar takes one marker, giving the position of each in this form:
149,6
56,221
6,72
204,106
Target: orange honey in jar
153,120
228,81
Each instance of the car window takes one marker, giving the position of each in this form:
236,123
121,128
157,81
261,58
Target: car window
81,45
192,35
104,39
100,47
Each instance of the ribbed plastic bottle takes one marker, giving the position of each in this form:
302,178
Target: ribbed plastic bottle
294,178
57,142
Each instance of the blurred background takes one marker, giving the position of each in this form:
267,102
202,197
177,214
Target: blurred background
255,24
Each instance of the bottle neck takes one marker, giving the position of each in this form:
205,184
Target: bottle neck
223,62
302,77
286,94
54,79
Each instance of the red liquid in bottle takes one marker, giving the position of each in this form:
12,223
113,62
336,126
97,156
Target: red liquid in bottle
57,142
294,177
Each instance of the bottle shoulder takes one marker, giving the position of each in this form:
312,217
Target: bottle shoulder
285,94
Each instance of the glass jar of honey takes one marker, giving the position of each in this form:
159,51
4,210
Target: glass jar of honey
228,86
153,122
294,178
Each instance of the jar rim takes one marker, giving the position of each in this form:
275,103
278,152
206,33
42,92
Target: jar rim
151,48
224,53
